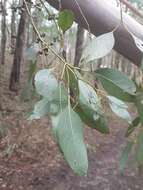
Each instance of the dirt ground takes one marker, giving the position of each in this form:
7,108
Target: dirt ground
31,160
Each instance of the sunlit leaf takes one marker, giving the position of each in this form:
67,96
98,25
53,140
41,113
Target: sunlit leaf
99,47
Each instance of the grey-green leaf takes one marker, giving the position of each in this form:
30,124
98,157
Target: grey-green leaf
139,104
99,47
116,84
89,108
125,155
119,108
69,133
45,83
88,99
41,109
135,123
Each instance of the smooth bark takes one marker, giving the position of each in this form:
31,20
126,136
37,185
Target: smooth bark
18,54
102,17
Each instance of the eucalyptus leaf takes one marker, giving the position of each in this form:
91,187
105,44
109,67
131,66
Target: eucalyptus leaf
71,78
60,96
116,84
119,108
99,47
89,108
125,155
135,123
65,19
93,121
41,109
88,98
32,70
55,121
69,132
139,104
45,83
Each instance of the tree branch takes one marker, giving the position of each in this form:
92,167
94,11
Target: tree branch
103,17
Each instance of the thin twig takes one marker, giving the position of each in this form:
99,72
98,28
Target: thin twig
39,36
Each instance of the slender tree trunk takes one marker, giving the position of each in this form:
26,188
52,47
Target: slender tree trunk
28,28
13,26
36,21
3,31
79,45
18,54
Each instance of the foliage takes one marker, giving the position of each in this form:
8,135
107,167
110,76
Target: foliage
73,103
99,47
65,19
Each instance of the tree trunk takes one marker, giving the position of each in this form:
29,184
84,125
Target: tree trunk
3,31
13,26
18,54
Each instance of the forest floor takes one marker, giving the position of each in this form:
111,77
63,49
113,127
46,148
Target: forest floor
31,160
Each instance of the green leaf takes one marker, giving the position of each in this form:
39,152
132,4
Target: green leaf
88,98
45,83
55,121
98,123
140,148
61,94
71,77
139,104
132,126
116,84
119,108
65,19
32,69
89,108
59,100
69,132
125,155
99,47
41,109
